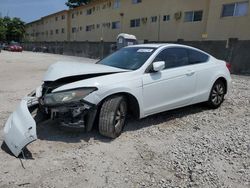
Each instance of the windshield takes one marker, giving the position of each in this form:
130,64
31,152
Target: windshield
131,58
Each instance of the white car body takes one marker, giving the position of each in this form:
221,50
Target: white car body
153,92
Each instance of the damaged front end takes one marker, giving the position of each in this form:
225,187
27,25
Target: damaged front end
69,107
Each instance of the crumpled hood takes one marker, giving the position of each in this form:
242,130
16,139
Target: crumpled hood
68,69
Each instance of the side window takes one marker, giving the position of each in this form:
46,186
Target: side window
196,57
173,57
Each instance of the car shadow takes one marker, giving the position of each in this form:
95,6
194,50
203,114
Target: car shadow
51,131
162,117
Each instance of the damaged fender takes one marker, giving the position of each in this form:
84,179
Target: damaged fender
20,128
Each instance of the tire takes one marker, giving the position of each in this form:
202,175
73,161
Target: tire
112,117
217,94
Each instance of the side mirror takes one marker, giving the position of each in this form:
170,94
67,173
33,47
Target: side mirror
158,66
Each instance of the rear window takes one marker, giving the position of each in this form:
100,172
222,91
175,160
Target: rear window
196,57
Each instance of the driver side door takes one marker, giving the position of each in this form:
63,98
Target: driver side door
172,87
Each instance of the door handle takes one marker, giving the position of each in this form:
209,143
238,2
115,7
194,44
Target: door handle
190,73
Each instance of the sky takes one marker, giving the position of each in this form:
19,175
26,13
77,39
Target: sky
30,10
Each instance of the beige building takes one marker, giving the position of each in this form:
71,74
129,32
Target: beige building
151,20
228,19
53,27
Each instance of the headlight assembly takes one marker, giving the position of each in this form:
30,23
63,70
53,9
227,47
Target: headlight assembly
68,96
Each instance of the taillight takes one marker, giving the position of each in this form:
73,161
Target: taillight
229,66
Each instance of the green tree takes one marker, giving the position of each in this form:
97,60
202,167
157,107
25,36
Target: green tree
11,29
76,3
3,30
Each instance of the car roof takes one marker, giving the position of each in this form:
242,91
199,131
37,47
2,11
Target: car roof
152,45
159,45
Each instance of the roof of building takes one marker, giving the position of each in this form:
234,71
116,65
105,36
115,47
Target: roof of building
62,11
56,13
93,2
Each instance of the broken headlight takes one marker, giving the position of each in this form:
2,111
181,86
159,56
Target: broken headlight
67,96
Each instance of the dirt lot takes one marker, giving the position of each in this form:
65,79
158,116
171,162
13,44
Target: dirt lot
189,147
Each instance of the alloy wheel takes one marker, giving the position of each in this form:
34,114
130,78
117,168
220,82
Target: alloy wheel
218,94
120,117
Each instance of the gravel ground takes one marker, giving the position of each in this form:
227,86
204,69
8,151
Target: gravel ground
188,147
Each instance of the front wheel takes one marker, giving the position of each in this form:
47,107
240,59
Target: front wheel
217,94
113,116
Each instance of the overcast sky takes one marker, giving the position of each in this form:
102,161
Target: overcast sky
30,10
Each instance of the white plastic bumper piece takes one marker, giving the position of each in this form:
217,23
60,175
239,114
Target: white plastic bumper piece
20,128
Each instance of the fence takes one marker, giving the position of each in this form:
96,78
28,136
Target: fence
234,51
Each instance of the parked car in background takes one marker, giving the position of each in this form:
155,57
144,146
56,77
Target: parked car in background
43,49
15,47
5,46
139,80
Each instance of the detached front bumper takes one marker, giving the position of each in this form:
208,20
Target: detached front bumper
20,128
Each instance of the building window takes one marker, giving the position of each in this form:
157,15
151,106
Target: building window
97,26
117,4
109,4
73,29
80,12
51,32
116,25
154,19
136,1
193,16
107,25
63,17
63,30
56,18
90,28
57,31
166,18
135,23
80,28
89,11
235,9
73,15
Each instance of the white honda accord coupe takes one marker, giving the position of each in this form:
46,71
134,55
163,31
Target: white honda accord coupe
140,80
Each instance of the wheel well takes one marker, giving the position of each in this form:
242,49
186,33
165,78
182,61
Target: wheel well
133,105
224,82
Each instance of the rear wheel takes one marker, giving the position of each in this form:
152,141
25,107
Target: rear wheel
217,94
113,116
